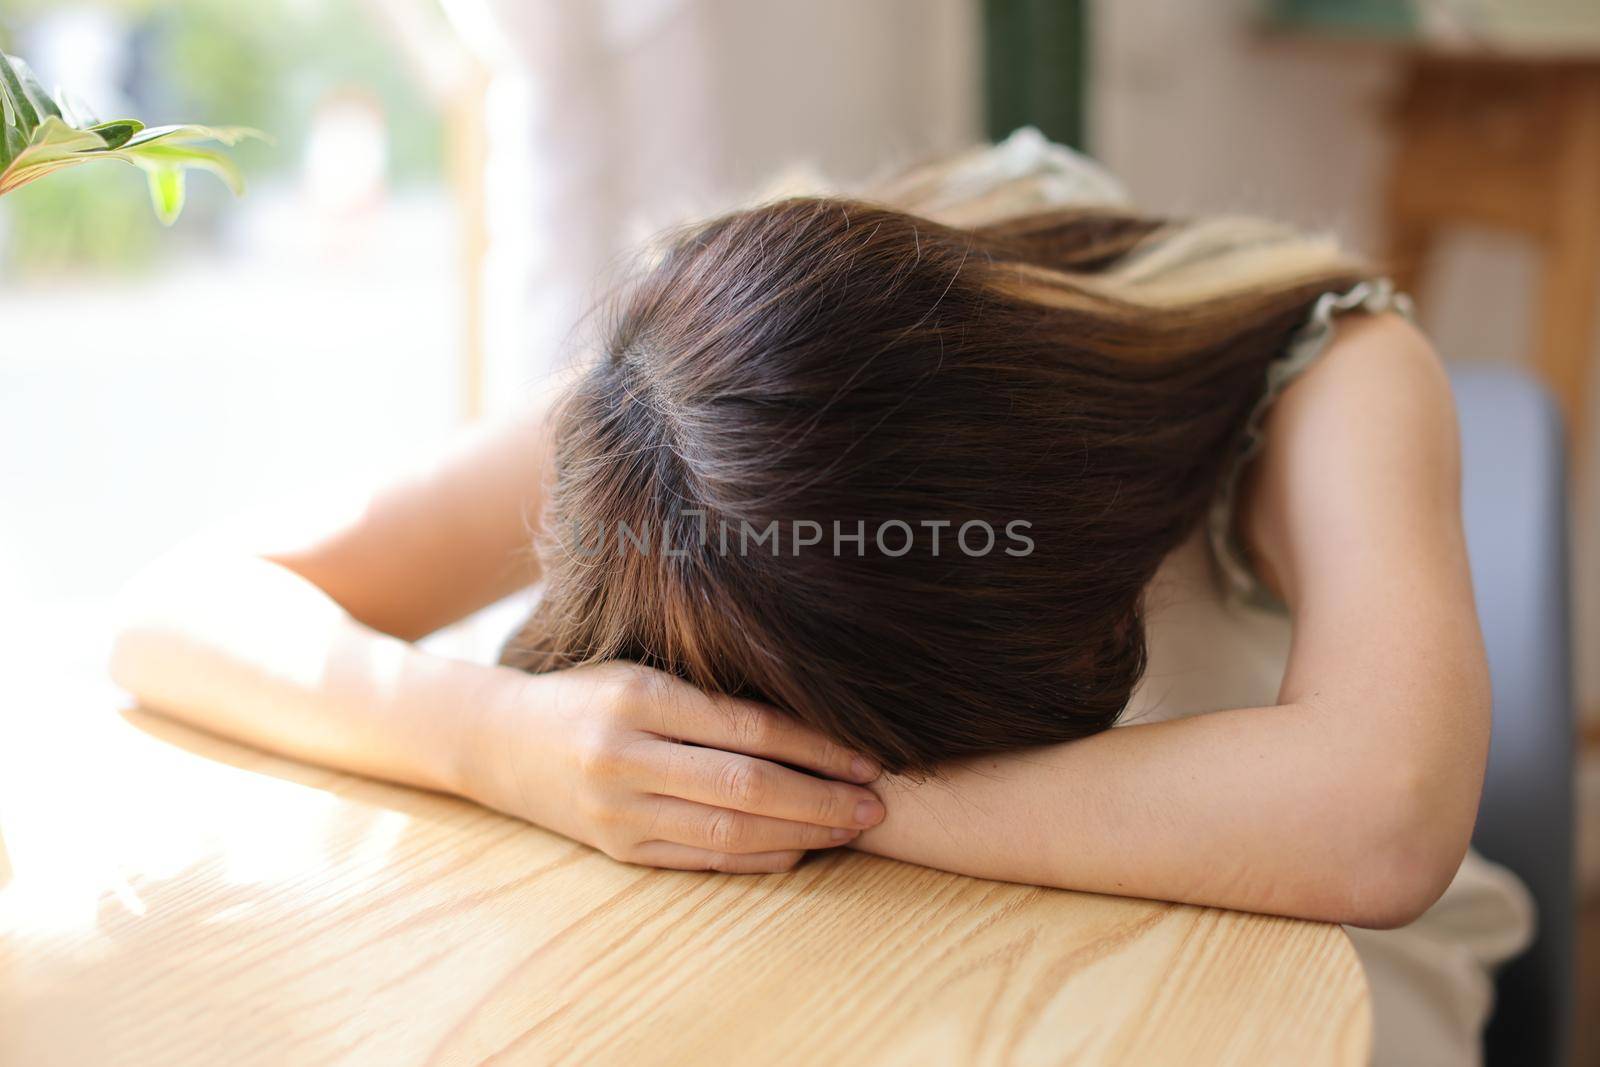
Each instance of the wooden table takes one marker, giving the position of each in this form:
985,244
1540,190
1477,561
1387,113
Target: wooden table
170,898
1512,143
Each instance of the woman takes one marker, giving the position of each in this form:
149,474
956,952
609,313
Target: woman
863,527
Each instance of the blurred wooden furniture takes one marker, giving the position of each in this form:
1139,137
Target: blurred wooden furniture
1514,144
170,898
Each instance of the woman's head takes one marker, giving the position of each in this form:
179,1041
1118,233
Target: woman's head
903,481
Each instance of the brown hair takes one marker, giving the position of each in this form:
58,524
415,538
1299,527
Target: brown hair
1085,372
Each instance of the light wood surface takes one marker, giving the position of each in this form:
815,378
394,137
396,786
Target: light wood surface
170,898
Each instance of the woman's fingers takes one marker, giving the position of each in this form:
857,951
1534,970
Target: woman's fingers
726,830
757,730
688,858
757,787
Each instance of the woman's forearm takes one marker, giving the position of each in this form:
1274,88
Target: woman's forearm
1285,810
618,756
246,648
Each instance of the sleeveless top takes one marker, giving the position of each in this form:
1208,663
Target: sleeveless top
1218,638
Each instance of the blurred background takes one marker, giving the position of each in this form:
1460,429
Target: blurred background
451,180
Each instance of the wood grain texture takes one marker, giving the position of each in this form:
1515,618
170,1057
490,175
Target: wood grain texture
170,898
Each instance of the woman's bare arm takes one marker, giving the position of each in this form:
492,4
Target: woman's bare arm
303,645
305,649
1353,799
434,546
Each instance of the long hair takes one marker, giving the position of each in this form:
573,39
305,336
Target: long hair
775,477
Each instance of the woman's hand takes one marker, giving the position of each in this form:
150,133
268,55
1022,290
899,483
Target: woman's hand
651,770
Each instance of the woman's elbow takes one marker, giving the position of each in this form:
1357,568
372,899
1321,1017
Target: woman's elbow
1394,894
1409,855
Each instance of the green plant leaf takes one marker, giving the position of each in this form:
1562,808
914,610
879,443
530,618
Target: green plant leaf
76,115
23,106
227,135
152,157
118,133
163,158
37,139
26,104
53,145
166,190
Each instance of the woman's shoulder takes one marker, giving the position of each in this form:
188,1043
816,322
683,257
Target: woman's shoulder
1387,341
1370,324
1358,351
1368,428
1368,363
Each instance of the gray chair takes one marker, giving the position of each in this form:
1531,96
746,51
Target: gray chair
1515,501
